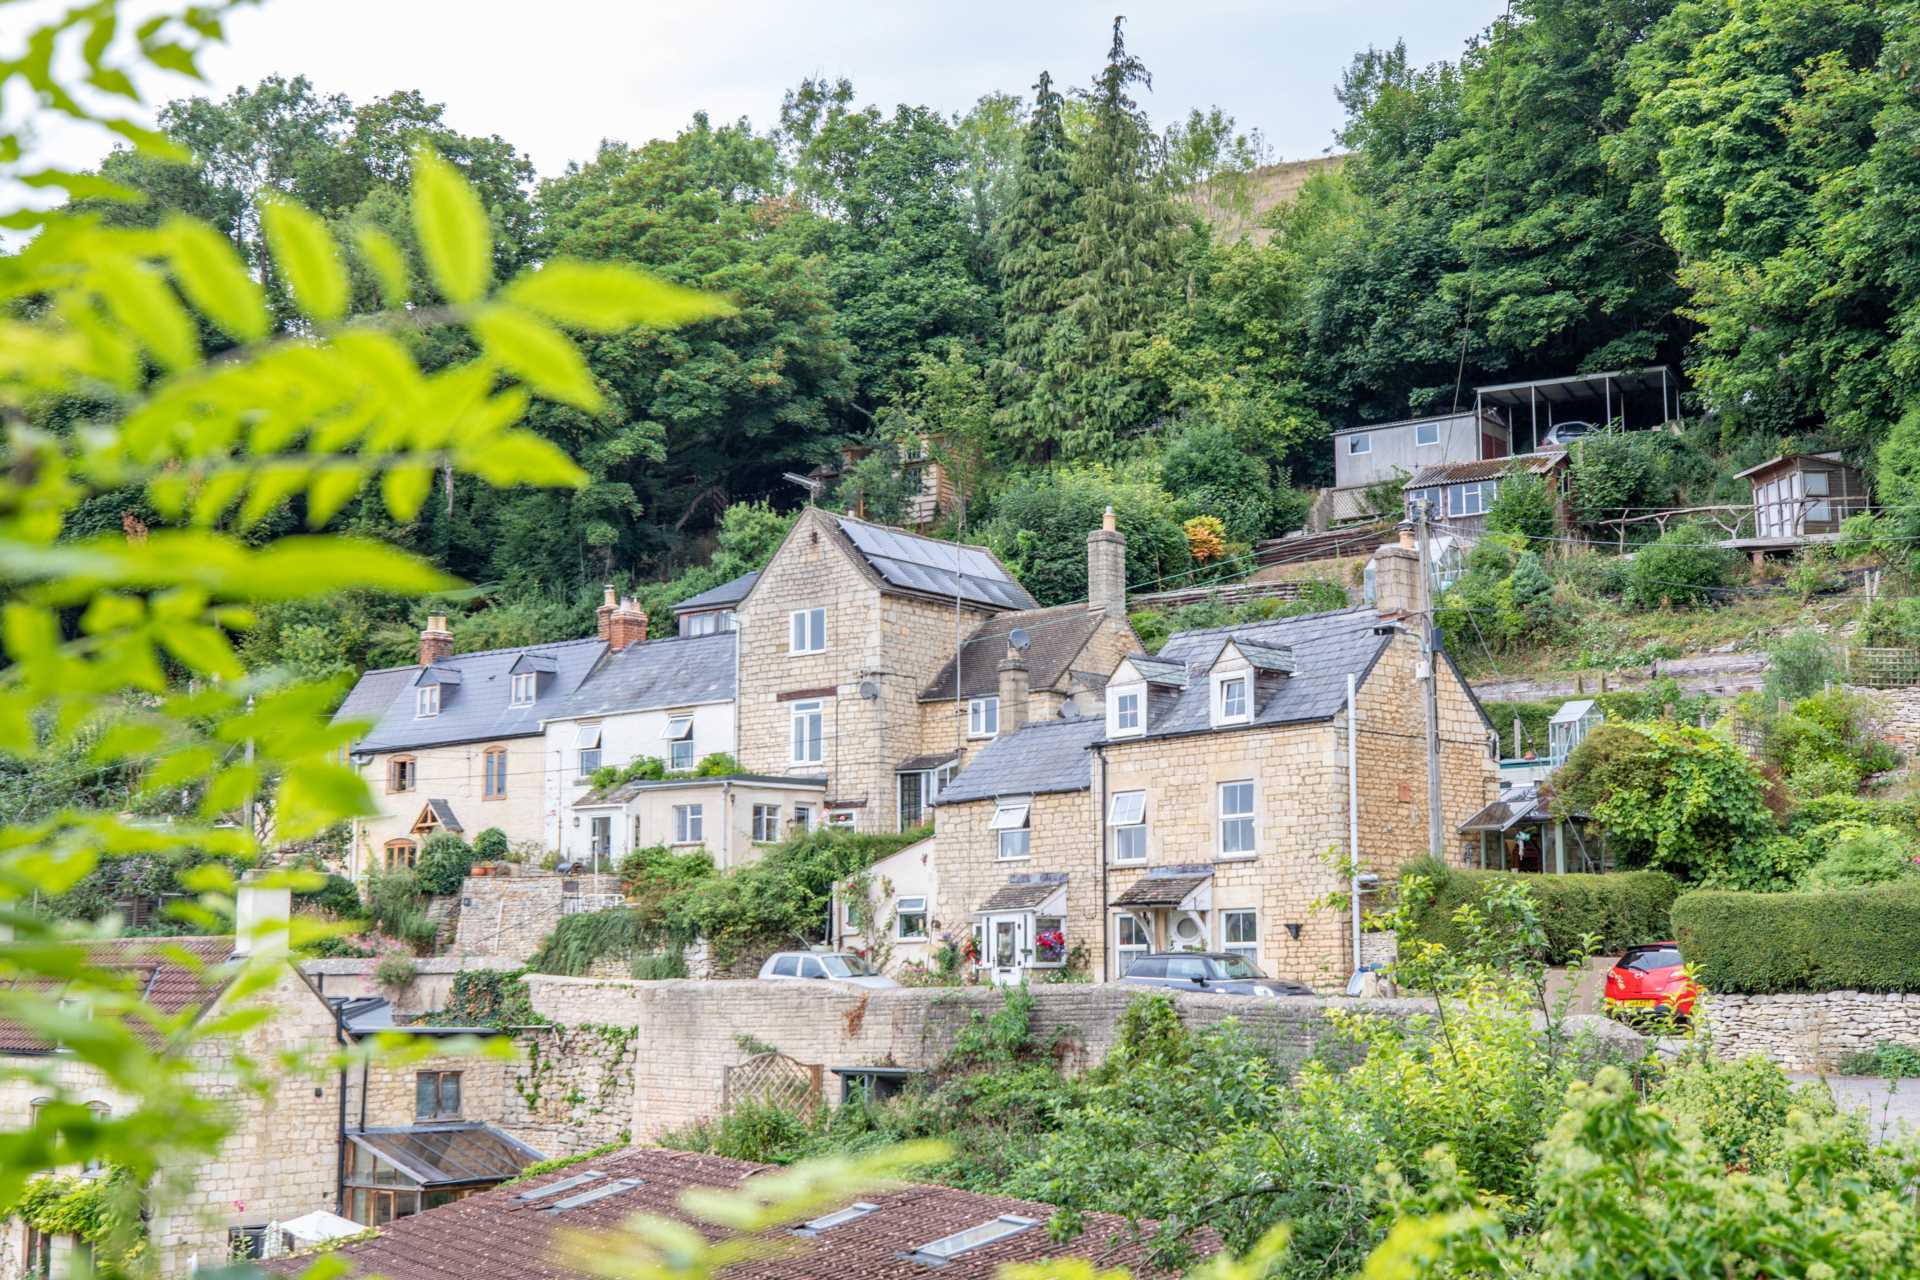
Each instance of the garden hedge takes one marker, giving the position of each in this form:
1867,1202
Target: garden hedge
1845,940
1623,907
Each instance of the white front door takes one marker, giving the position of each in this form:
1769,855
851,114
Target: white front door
1007,943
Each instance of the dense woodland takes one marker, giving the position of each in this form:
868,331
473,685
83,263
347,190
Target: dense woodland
1726,186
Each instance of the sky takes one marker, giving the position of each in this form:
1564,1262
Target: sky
554,77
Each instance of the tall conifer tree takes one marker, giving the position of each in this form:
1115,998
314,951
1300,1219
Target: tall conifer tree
1123,253
1037,271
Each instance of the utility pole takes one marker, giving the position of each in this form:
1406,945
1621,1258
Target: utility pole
1435,844
252,832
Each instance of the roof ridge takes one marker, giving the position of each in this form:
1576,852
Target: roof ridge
512,648
1269,622
908,533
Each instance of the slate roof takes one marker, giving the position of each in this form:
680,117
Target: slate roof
374,692
1057,636
173,975
673,671
1160,669
500,1235
1326,648
1045,755
928,566
477,708
1023,893
1160,891
443,812
1534,464
727,593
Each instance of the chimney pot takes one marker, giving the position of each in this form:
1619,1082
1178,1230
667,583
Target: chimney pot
604,615
436,640
626,625
1107,520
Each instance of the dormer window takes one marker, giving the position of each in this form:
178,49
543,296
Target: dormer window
426,701
524,686
1230,699
1126,711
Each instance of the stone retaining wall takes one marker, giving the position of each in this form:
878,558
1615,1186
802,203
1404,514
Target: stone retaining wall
512,915
570,1088
1812,1032
693,1031
429,991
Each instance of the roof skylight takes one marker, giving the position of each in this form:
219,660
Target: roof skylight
598,1193
555,1188
947,1248
858,1209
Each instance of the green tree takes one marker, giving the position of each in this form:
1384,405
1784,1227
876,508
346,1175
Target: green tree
1037,272
1683,568
1040,524
1123,242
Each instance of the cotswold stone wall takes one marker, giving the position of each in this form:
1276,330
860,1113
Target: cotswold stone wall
571,1087
1814,1031
510,916
429,991
694,1031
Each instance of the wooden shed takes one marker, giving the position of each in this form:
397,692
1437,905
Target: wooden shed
1800,498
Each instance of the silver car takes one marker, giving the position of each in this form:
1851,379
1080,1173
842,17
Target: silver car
842,966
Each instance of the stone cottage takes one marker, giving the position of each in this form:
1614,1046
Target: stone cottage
1201,810
456,741
309,1146
843,629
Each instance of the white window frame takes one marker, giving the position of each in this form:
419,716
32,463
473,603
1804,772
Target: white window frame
1482,492
807,630
1127,816
689,824
843,819
766,824
1248,816
586,739
803,817
677,727
799,744
1359,443
596,846
525,687
1129,702
983,717
902,908
1422,427
1136,949
680,756
1247,948
1222,713
1013,822
426,702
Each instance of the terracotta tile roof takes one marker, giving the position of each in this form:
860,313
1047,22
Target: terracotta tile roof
498,1235
173,975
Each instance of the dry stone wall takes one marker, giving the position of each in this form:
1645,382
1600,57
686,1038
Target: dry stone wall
510,916
1812,1031
692,1032
570,1089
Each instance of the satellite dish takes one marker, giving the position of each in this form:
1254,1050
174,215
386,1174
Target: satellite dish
869,690
1019,639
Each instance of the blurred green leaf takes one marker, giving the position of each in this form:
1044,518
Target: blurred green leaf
304,252
452,228
605,297
388,264
538,354
215,279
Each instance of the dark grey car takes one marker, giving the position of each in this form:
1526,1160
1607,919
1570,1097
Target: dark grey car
1214,971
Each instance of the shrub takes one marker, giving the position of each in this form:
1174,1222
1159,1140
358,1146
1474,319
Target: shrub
395,971
338,897
1866,534
444,863
1741,1107
1869,855
1884,1059
1673,798
1844,940
1594,574
658,965
1890,624
1815,569
1799,664
492,845
1622,907
1683,568
1523,506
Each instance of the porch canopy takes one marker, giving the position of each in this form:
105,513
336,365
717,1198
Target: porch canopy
1186,890
1043,892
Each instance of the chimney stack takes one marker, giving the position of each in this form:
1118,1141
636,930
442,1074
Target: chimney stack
436,641
627,625
1107,570
1394,572
605,614
260,919
1014,685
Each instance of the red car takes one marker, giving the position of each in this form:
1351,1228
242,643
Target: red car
1649,980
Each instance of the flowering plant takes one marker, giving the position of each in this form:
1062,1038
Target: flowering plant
1050,943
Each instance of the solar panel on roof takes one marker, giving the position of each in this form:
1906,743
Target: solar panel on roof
938,568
